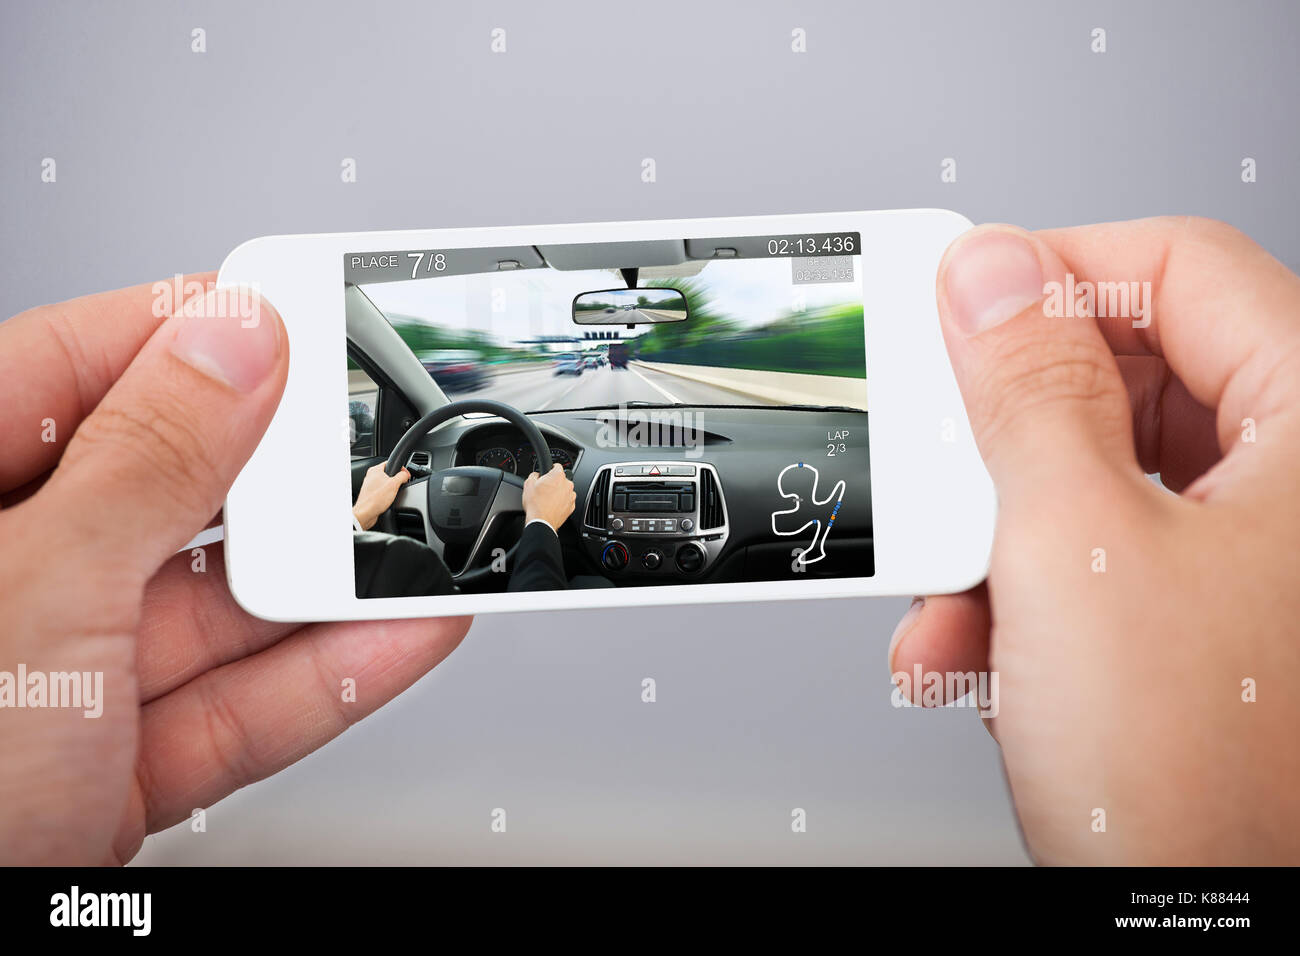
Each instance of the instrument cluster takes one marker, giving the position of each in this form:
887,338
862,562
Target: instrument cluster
512,454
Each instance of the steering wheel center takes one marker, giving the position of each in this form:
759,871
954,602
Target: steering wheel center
462,502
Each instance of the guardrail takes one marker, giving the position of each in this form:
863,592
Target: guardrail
784,388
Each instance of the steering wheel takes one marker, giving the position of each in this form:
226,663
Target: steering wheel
459,505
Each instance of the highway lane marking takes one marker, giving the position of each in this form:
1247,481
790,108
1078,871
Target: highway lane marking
561,395
662,391
521,382
535,379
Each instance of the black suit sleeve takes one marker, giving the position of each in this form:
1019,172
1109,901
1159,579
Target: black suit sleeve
389,565
539,563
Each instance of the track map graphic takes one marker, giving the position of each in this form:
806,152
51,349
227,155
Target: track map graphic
809,511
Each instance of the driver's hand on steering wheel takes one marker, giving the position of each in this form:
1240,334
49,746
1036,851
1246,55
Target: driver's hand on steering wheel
376,495
550,499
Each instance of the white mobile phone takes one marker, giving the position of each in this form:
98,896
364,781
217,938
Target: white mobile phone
746,409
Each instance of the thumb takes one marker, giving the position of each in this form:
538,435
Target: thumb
1044,394
150,466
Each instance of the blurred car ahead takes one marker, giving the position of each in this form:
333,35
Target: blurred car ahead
569,363
455,370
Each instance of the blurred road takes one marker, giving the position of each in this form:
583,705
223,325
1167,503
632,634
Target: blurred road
638,316
542,390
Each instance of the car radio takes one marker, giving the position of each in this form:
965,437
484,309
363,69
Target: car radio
655,517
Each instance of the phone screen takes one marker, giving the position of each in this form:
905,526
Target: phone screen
706,400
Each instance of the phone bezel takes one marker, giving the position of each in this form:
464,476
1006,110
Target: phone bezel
932,500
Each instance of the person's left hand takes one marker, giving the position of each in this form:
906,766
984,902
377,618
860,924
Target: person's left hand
121,433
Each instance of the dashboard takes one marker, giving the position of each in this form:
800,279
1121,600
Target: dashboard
505,448
667,513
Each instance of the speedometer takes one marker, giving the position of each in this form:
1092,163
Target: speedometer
565,460
496,458
524,453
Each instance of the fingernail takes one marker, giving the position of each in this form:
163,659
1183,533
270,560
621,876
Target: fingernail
230,335
991,277
905,625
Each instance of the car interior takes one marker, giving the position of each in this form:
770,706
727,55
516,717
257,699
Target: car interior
688,505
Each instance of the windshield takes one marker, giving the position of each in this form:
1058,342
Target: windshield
759,333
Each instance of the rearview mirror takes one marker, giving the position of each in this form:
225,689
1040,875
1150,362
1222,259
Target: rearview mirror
629,307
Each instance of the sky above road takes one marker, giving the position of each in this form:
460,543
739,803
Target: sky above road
522,305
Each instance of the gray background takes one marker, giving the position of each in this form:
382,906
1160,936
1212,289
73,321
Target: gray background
168,159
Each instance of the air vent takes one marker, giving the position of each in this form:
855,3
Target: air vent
711,512
420,463
598,501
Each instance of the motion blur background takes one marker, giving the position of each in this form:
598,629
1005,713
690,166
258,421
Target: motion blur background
167,159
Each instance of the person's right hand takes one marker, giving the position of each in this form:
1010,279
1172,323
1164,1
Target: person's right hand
551,498
1147,644
377,493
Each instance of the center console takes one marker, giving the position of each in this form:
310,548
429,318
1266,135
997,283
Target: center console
655,519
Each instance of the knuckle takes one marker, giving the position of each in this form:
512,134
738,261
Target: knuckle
162,438
1025,379
228,739
327,681
1214,232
